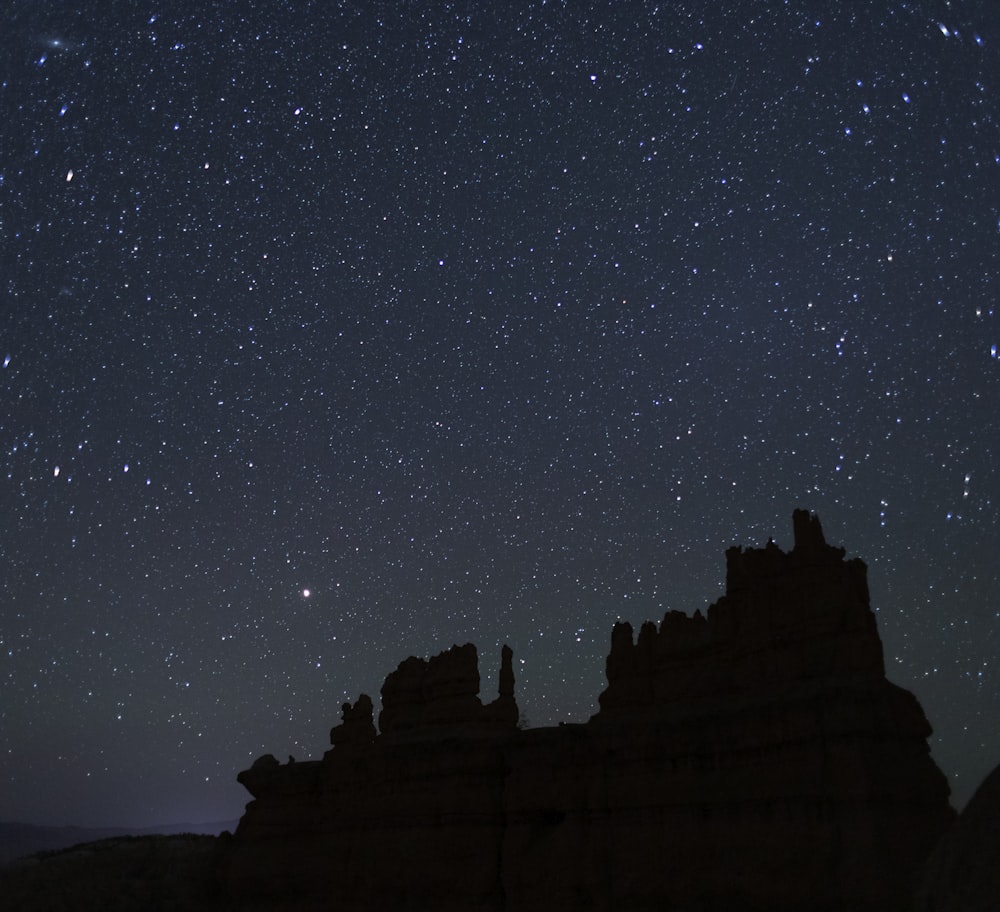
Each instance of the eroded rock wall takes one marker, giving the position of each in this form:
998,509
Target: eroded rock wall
752,758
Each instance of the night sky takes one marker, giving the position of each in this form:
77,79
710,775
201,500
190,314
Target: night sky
334,333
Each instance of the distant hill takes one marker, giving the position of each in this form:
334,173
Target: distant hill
21,839
125,873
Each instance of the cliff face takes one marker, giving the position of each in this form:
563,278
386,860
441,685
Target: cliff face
753,758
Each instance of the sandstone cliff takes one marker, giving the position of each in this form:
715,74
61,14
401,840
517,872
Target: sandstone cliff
752,758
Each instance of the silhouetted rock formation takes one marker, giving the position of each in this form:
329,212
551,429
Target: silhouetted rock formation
753,758
785,619
963,872
356,727
443,691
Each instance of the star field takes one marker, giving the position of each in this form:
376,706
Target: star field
334,333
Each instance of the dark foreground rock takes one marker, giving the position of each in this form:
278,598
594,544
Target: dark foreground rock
753,758
963,873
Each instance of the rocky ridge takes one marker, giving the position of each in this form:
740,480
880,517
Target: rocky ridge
755,757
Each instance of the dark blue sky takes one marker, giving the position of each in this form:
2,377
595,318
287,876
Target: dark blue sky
479,324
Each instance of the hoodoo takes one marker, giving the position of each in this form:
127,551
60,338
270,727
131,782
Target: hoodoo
755,757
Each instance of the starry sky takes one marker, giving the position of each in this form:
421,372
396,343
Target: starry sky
336,332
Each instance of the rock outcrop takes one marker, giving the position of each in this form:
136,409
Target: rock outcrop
963,872
754,757
443,692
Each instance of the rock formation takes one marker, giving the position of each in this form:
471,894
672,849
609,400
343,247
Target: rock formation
356,727
752,758
443,691
963,872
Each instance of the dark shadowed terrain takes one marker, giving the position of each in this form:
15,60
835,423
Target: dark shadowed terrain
122,873
20,839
